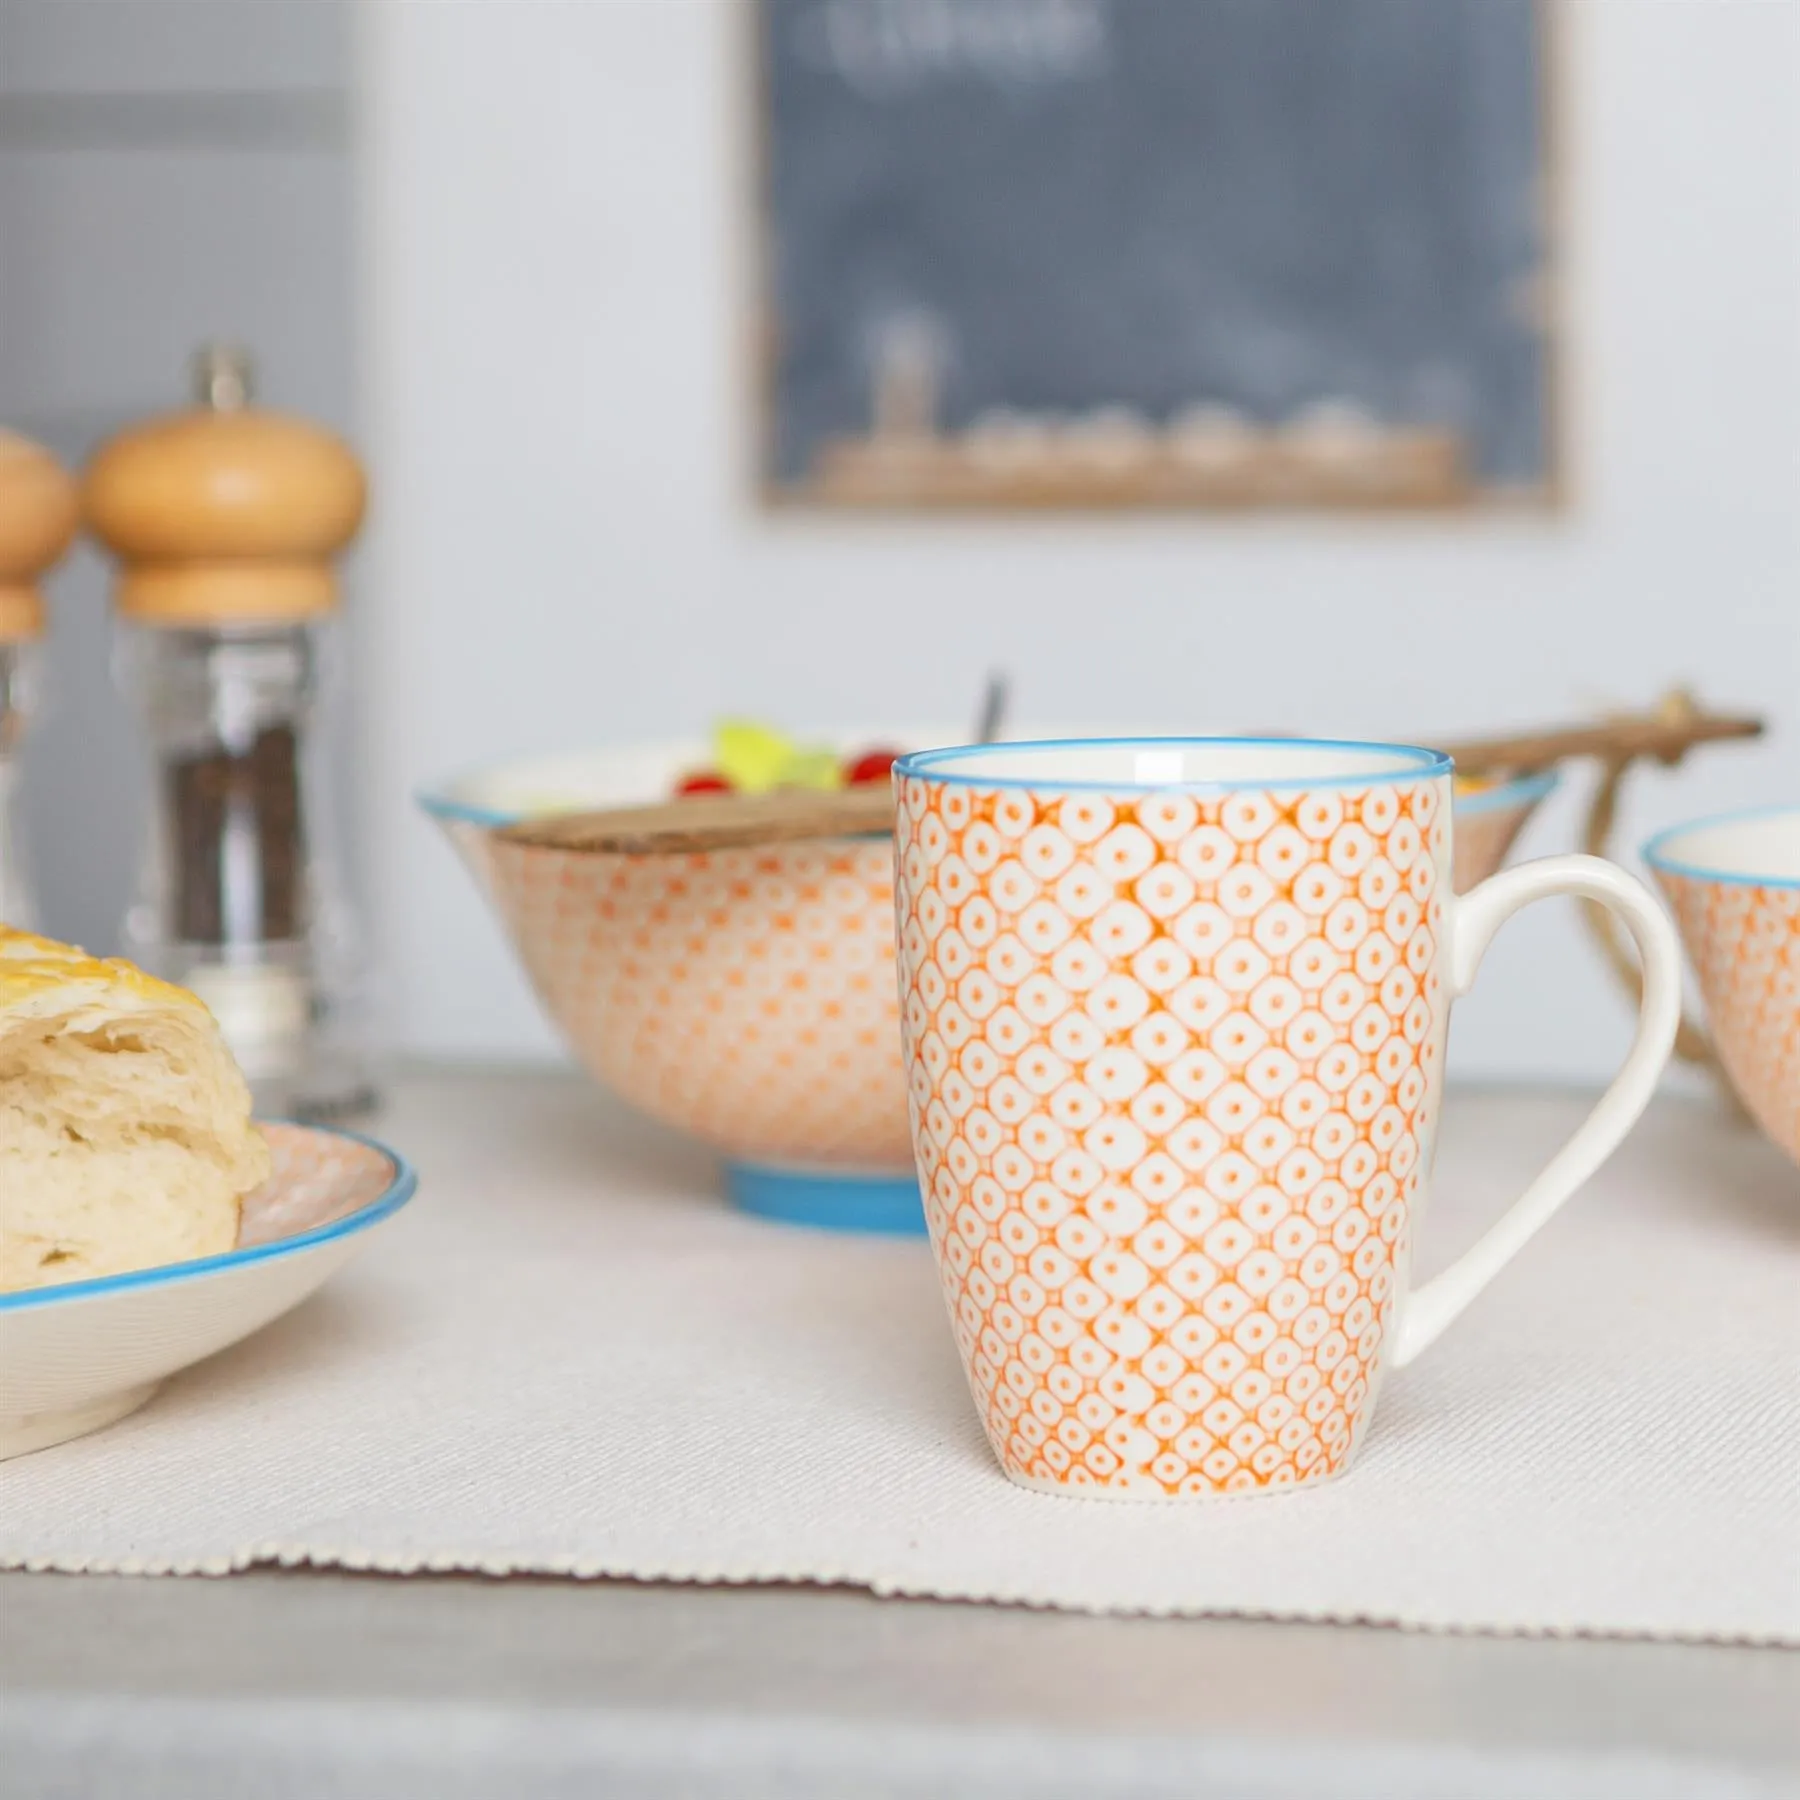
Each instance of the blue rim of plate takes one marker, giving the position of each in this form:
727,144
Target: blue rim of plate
1416,764
1522,790
1655,852
398,1191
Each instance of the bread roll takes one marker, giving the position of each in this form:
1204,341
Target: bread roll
125,1133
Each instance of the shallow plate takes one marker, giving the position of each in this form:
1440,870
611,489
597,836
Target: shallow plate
78,1355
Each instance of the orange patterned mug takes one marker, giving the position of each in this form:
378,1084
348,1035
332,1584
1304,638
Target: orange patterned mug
1173,1014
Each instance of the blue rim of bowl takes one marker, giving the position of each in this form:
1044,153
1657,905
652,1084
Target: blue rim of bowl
398,1191
866,1205
1656,855
440,804
485,818
1522,790
939,765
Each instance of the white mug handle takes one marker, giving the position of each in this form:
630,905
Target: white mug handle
1473,920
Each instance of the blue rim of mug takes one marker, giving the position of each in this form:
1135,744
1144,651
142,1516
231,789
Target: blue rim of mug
931,765
1655,851
399,1190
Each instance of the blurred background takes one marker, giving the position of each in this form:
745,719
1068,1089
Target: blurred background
652,320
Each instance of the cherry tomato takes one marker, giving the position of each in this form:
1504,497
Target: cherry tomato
704,781
872,765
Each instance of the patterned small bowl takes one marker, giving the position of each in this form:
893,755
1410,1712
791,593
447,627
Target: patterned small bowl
1486,822
78,1355
748,997
1733,883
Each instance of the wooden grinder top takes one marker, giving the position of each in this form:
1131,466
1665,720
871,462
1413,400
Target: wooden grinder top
224,514
39,510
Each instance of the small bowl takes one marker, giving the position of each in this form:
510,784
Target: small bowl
1486,820
748,997
1733,883
78,1355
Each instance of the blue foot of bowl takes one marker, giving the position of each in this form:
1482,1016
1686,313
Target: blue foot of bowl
884,1203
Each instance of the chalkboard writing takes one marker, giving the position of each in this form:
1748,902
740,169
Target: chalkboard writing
1156,252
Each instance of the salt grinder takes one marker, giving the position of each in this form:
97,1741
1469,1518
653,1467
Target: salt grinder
38,513
226,520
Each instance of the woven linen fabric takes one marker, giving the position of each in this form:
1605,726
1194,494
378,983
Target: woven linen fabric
568,1358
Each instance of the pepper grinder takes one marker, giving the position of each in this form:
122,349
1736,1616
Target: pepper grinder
226,520
38,513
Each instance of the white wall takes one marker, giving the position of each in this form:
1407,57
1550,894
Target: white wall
558,360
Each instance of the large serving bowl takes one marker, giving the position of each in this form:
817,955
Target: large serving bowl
748,996
744,996
1734,886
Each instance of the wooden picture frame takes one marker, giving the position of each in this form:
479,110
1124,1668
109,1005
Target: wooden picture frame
941,431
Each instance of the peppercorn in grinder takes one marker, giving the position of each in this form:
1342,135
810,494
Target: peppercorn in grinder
38,512
225,520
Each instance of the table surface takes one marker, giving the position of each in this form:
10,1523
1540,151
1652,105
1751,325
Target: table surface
334,1685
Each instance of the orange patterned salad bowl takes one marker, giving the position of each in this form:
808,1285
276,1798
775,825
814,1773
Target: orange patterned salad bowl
748,997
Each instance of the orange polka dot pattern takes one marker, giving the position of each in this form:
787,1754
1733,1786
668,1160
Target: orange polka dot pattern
315,1179
1172,1064
1744,943
1483,835
746,996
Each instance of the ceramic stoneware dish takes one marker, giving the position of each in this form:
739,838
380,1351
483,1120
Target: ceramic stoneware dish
748,996
82,1354
744,996
1174,1016
1734,886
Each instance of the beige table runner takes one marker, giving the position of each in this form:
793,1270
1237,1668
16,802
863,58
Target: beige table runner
567,1358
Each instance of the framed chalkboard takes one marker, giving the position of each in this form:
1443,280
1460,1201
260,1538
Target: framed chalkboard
1156,253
